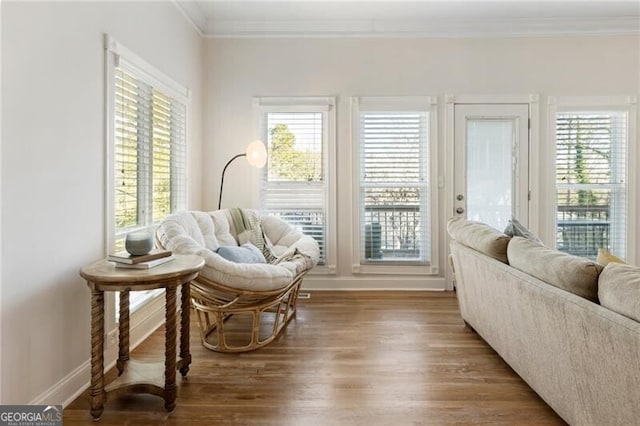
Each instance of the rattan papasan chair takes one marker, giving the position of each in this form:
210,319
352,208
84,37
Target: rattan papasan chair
264,295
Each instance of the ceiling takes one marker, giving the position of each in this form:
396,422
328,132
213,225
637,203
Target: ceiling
417,18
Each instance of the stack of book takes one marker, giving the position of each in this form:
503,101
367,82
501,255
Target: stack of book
145,261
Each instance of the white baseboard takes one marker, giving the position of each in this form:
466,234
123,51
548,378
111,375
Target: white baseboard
376,283
143,322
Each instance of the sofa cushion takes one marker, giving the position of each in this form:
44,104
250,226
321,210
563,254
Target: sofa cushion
574,274
619,289
516,229
480,237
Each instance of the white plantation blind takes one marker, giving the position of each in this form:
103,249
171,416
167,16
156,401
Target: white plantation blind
294,184
394,186
591,154
149,153
146,114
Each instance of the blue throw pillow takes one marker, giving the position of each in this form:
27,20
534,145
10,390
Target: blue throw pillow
246,253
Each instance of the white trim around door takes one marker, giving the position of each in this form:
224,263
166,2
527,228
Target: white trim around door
451,100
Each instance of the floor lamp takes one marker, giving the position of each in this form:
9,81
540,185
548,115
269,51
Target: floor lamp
256,154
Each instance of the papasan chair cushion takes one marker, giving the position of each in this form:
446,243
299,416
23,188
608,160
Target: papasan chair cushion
202,233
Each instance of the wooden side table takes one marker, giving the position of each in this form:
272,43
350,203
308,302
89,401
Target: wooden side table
134,376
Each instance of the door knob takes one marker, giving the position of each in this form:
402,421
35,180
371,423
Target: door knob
460,197
459,210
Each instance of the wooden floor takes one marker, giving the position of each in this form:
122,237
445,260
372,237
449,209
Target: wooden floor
348,358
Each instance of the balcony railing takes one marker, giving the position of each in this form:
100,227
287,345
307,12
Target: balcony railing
567,213
309,222
392,232
582,230
582,238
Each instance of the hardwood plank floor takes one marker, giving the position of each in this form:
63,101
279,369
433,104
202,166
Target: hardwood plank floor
348,358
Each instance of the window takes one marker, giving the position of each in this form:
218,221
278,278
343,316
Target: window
591,179
149,154
394,183
146,113
297,183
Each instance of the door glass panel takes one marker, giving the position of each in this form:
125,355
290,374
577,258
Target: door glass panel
489,171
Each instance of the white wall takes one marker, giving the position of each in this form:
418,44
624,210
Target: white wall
237,69
53,169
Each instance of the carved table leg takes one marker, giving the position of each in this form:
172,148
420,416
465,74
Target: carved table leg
123,339
170,390
97,354
185,354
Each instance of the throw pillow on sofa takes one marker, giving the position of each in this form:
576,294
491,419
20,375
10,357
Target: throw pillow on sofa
604,258
619,289
574,274
480,237
516,229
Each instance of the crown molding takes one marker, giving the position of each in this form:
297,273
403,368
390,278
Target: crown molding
422,28
406,28
193,14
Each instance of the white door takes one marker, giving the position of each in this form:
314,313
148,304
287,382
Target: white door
491,167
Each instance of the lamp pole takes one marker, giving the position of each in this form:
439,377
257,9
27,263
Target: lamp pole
223,172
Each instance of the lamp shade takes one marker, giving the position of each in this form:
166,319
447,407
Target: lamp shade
257,154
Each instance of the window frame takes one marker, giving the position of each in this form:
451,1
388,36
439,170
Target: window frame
117,55
589,104
428,104
327,106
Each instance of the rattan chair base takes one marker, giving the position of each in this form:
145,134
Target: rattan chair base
215,303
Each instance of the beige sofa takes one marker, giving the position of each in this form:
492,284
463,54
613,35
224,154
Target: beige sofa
581,357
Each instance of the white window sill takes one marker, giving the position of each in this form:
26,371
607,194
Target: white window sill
324,270
394,269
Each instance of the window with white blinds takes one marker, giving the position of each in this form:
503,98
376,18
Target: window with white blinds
294,185
147,136
149,153
591,182
394,185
